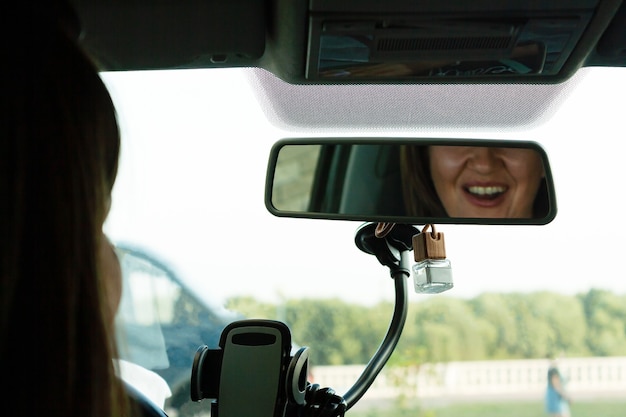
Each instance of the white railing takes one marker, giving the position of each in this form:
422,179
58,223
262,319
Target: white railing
600,376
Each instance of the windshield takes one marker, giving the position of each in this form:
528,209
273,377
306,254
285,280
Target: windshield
190,192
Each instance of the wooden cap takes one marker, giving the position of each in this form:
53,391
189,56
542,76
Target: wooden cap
429,245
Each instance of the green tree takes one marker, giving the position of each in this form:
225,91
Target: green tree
496,309
547,323
565,317
449,330
249,307
606,320
440,328
339,333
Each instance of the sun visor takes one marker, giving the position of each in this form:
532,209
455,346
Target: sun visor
452,41
143,35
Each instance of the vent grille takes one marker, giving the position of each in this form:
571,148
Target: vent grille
443,43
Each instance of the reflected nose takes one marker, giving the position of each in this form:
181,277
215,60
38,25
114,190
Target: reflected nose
483,160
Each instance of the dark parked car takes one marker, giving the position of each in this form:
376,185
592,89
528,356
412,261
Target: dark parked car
161,322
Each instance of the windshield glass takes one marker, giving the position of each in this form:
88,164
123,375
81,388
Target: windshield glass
190,194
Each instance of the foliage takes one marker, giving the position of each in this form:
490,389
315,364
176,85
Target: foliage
441,328
591,408
605,314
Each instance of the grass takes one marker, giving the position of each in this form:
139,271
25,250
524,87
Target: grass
595,408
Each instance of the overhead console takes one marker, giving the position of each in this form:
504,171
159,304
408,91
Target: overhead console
451,41
360,41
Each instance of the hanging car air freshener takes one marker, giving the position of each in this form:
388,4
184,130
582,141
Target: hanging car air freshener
432,272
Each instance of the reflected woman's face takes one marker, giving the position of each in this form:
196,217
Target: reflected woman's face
486,182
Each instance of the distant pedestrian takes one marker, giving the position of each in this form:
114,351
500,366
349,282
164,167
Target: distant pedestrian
557,400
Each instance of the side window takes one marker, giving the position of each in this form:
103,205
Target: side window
160,323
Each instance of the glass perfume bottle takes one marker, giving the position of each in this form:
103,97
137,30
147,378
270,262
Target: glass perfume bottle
432,272
432,276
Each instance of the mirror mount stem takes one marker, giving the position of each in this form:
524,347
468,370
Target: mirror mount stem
392,250
386,348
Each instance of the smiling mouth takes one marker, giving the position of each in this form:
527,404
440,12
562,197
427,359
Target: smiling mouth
486,193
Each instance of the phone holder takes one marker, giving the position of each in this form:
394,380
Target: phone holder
252,373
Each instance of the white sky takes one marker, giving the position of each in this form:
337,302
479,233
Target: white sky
191,185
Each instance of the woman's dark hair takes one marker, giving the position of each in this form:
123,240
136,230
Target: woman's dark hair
420,196
59,150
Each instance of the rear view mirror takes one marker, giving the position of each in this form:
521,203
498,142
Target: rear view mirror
412,181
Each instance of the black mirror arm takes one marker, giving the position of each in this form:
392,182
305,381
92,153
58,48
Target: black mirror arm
393,251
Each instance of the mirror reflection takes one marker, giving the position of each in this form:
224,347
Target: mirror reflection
457,181
466,181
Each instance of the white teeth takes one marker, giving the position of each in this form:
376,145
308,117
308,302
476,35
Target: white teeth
475,189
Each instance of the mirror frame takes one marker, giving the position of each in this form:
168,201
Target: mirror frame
514,143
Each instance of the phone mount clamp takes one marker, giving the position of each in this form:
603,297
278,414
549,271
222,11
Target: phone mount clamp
253,374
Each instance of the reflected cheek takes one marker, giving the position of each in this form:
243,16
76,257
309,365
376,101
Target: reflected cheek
446,165
448,193
445,173
526,169
527,177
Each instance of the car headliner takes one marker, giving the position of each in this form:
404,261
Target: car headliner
408,107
